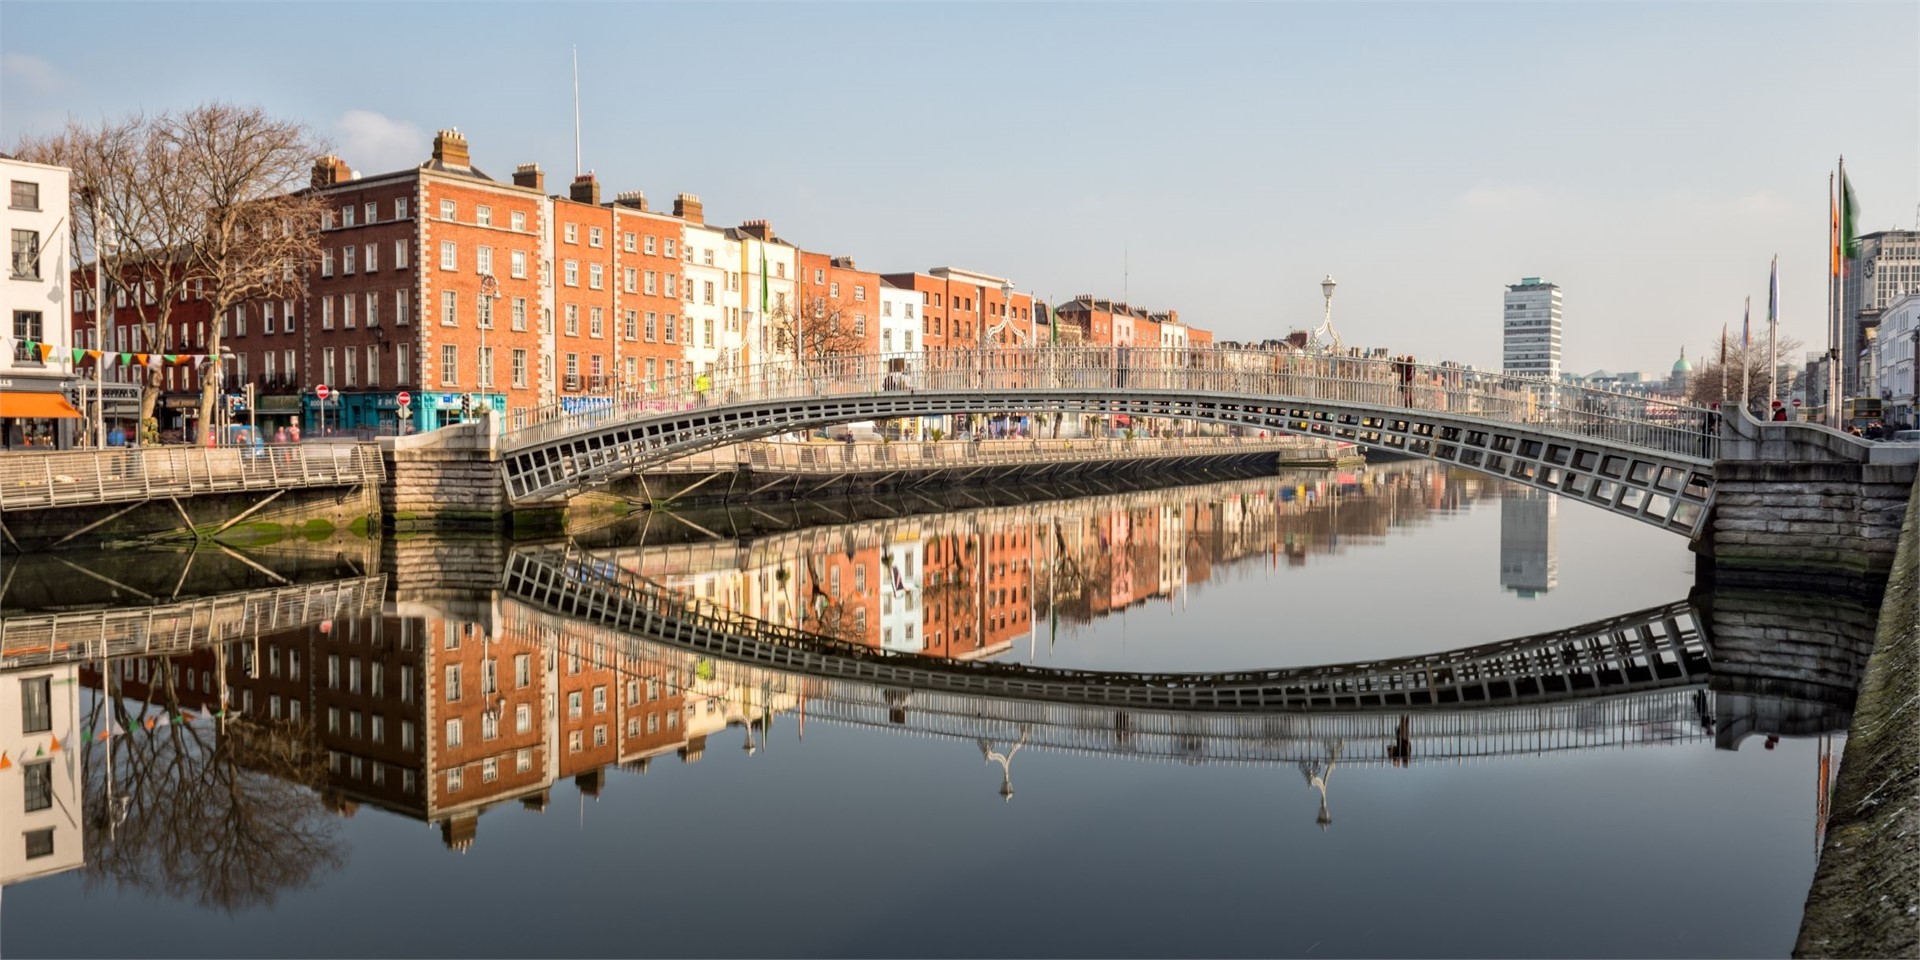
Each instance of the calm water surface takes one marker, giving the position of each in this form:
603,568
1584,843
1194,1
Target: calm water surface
469,775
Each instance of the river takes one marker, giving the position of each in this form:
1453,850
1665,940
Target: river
412,761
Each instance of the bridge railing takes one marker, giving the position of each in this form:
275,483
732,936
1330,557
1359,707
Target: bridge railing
927,454
1022,372
33,480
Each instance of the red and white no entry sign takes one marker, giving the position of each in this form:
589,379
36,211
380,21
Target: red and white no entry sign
320,391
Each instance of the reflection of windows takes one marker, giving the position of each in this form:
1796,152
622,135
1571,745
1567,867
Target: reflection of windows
453,733
522,718
39,781
455,780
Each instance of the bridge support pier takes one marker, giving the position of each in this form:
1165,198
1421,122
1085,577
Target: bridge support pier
449,480
1805,504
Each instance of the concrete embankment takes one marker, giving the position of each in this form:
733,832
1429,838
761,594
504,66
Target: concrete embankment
1865,898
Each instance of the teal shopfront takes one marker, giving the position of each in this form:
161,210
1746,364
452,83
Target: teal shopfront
431,411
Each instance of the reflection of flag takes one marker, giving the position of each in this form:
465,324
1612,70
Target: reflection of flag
897,587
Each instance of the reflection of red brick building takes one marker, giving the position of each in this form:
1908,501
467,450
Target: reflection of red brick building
589,705
1009,595
840,594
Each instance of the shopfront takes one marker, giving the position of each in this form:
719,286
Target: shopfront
431,411
35,414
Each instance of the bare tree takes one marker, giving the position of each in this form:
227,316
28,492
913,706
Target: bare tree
201,202
1705,384
821,329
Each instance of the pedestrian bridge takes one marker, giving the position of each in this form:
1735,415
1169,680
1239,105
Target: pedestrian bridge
1655,649
1646,459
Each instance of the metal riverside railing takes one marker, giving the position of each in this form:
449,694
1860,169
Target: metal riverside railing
33,480
176,628
779,457
1252,375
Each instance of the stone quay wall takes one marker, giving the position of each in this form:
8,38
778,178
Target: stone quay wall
447,479
1865,897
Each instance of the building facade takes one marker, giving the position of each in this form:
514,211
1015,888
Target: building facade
1887,269
35,367
1530,329
40,778
1899,336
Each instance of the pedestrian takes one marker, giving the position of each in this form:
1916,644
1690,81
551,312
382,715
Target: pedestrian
293,433
116,437
280,436
1779,412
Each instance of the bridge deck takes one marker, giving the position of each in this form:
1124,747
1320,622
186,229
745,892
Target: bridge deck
35,481
824,459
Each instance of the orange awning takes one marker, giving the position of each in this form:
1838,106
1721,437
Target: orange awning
35,406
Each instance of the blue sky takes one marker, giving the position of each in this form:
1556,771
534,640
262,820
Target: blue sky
1649,158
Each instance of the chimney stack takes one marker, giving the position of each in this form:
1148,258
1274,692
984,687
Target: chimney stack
450,149
530,175
585,189
757,228
637,199
329,170
842,263
687,207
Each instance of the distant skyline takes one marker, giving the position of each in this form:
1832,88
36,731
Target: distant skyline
1217,159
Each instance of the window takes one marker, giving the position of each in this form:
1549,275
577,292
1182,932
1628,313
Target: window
518,264
596,325
653,321
448,210
648,281
373,309
595,276
453,732
449,308
326,263
668,331
39,843
572,268
406,732
486,366
859,292
346,311
780,270
346,215
449,255
489,726
573,704
27,325
326,366
371,254
449,365
519,367
709,291
522,718
36,705
707,256
519,317
483,215
522,663
819,276
833,289
26,195
629,280
483,311
707,328
600,699
483,260
593,236
630,329
572,233
649,245
518,219
573,366
668,251
403,364
400,306
399,254
573,320
456,778
373,211
400,208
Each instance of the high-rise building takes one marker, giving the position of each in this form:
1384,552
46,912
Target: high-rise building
1887,269
1530,329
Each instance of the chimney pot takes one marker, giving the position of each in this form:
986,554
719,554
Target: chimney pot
530,175
450,148
687,207
585,189
636,199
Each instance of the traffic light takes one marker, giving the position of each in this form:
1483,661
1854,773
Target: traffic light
466,405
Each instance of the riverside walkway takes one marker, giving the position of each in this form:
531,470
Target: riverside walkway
32,480
1646,459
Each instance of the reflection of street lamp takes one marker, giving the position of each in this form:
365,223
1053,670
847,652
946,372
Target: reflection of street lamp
993,756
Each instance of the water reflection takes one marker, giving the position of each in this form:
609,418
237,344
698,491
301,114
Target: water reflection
1529,542
222,767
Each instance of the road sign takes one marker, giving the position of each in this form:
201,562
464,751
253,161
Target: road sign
320,391
405,412
1796,403
404,398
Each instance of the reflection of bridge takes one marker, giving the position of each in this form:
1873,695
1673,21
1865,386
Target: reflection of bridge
1369,737
178,628
1649,650
1630,455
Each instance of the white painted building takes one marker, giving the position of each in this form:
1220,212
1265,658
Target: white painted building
40,801
34,300
1530,329
901,338
766,300
1887,269
1894,360
710,299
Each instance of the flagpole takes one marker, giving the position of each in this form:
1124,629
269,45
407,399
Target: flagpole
1746,354
1773,340
1837,329
1723,369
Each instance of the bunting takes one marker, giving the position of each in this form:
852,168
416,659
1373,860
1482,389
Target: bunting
78,356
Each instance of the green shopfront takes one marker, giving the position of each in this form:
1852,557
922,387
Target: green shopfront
373,413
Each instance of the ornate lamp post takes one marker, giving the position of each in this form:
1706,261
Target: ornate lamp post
1326,319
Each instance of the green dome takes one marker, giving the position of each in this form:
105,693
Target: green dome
1681,365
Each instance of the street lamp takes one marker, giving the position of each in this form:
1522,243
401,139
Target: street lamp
1326,319
489,293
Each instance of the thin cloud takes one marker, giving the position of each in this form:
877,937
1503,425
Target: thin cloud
375,142
36,74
